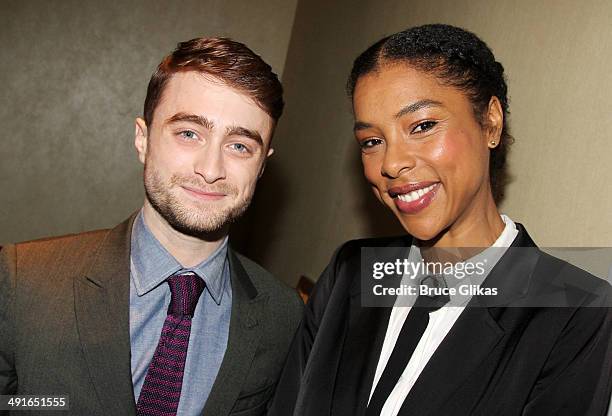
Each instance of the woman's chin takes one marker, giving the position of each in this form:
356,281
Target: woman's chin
421,230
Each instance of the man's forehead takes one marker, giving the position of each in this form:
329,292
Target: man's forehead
206,96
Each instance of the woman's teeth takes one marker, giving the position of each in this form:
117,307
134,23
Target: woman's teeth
414,195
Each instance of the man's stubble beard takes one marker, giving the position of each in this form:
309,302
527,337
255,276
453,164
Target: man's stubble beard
201,222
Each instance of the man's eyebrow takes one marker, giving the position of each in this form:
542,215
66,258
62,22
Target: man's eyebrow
209,125
244,132
192,118
411,108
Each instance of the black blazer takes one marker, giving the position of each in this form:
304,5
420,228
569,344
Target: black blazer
496,360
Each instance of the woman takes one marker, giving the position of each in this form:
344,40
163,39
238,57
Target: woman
430,106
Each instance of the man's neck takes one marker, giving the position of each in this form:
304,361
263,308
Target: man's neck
189,251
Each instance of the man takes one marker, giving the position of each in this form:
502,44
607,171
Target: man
159,315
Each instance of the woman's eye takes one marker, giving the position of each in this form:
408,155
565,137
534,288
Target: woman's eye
369,144
188,134
424,126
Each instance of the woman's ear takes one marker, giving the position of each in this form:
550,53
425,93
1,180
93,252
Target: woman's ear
495,122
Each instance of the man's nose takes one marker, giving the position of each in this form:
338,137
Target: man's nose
210,164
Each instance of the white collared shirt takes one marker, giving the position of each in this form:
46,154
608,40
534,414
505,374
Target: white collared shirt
440,323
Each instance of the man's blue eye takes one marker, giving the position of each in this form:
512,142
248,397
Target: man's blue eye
240,147
188,134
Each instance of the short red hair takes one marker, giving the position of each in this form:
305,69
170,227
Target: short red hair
230,61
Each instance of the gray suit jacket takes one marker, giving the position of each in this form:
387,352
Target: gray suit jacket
64,326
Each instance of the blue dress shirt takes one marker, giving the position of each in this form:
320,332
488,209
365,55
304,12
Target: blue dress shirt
151,265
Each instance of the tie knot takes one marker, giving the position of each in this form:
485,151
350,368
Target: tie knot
185,289
437,296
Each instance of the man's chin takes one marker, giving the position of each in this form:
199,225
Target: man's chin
206,230
207,223
206,220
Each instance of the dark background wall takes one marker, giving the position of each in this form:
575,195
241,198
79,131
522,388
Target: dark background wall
74,77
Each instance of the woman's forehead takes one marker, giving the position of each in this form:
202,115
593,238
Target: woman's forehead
392,88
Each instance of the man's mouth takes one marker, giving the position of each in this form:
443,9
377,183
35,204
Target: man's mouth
204,194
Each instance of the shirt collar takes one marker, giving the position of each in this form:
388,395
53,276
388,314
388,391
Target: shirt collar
488,258
151,264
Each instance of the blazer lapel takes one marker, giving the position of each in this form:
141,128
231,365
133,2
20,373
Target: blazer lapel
465,347
365,335
362,346
247,310
102,317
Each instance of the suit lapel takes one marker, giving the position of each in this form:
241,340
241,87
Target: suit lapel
466,347
247,311
366,330
102,316
362,347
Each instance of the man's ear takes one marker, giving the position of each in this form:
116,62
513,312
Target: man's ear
263,166
495,122
141,135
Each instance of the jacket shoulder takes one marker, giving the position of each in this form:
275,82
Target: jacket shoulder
582,287
342,274
56,252
59,241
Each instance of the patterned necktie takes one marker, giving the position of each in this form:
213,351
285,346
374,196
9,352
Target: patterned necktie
161,390
412,330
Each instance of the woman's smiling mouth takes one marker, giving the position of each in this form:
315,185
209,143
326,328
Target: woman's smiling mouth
413,198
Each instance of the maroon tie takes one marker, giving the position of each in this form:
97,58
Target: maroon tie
161,390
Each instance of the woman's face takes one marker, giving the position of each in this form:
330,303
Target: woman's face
423,151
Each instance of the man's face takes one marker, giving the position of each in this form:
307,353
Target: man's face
203,153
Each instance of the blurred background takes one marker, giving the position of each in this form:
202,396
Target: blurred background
74,77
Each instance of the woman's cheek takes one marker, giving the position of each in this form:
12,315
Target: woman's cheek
452,156
447,150
371,170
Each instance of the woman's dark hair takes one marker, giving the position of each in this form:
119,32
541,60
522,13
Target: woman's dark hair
458,58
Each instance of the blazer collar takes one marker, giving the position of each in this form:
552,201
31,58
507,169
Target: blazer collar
519,261
102,316
248,307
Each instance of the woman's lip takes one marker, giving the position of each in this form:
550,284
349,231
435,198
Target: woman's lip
207,195
404,189
419,204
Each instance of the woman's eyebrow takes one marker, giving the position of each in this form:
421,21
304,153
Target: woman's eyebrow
411,108
360,125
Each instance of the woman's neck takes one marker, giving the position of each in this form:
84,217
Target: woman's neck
474,230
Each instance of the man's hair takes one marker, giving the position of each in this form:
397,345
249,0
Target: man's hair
230,61
457,58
